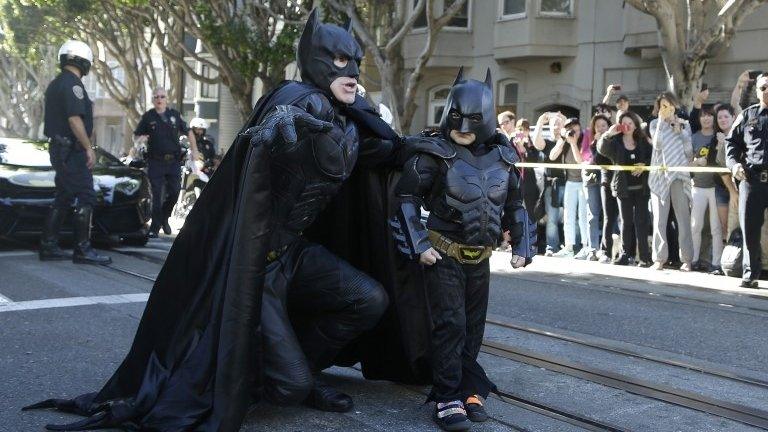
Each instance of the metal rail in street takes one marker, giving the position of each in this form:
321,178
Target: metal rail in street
637,353
740,413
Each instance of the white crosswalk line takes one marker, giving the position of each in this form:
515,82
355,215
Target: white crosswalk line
72,301
4,299
17,253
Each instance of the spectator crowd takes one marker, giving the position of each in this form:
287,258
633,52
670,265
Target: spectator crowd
659,218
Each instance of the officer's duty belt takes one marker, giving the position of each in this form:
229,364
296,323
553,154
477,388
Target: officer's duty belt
462,253
167,157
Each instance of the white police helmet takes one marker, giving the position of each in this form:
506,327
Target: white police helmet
197,122
76,53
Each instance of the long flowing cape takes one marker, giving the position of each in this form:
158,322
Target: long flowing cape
193,362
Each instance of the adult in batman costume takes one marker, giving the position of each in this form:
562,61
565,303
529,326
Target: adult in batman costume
467,179
247,304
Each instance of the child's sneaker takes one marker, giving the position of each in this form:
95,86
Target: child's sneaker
451,416
475,410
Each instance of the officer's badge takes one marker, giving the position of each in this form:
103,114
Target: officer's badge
78,91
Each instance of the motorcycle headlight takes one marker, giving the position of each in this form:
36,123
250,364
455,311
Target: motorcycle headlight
128,187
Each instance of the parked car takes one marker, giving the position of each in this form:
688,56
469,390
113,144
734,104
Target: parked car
27,187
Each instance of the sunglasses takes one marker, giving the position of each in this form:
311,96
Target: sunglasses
158,97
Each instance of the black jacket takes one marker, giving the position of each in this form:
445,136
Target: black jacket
613,149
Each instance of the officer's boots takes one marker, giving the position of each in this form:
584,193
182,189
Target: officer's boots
84,253
49,241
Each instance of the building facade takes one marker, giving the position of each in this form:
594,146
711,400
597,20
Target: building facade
561,55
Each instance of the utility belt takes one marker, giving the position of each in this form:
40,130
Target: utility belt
462,253
63,145
166,157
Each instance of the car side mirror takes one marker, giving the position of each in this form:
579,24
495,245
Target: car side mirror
137,163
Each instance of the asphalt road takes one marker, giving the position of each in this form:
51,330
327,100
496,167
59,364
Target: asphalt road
64,329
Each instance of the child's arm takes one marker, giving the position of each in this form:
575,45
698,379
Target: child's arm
515,222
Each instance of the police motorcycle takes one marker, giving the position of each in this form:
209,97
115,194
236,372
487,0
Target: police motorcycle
194,177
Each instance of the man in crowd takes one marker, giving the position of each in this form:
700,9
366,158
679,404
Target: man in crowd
747,159
161,127
69,126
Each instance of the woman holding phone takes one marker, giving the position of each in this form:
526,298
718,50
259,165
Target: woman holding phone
625,144
672,147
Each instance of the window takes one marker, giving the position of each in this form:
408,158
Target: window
460,20
208,91
437,99
511,8
508,91
560,8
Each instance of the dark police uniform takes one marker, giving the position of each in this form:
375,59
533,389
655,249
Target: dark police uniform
66,97
164,153
746,144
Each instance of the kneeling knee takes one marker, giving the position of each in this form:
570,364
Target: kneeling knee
373,300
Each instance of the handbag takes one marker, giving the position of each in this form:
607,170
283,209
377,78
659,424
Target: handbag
731,259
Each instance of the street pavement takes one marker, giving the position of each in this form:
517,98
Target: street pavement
64,328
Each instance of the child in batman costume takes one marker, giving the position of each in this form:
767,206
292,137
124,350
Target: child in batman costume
467,179
247,304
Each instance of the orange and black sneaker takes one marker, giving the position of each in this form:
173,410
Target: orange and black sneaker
475,410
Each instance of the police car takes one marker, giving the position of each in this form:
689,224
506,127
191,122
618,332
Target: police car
27,189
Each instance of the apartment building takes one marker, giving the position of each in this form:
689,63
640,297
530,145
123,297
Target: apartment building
549,55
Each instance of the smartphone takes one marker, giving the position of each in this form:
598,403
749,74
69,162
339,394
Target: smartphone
753,74
617,86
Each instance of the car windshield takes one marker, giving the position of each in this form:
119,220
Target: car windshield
34,154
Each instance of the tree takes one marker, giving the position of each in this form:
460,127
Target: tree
123,62
377,21
247,40
22,88
691,32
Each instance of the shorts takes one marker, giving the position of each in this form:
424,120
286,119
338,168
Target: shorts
722,196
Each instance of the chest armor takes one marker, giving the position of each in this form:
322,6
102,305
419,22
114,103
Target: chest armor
308,174
475,194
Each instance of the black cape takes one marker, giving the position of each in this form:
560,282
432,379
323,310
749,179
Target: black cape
194,360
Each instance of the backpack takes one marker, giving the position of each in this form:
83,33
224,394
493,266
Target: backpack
730,260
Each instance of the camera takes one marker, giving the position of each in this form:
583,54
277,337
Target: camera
617,86
748,96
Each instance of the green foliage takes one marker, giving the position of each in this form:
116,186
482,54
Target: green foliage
252,50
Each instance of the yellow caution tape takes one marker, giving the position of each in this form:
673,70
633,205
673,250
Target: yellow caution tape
624,167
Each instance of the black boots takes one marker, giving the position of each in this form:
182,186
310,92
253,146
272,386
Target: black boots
326,398
84,253
49,241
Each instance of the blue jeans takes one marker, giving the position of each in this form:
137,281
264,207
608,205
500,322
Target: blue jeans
594,209
554,218
574,212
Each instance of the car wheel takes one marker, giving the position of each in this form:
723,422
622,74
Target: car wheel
136,241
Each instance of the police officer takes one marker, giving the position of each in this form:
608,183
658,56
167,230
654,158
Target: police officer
68,126
746,151
161,127
205,142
